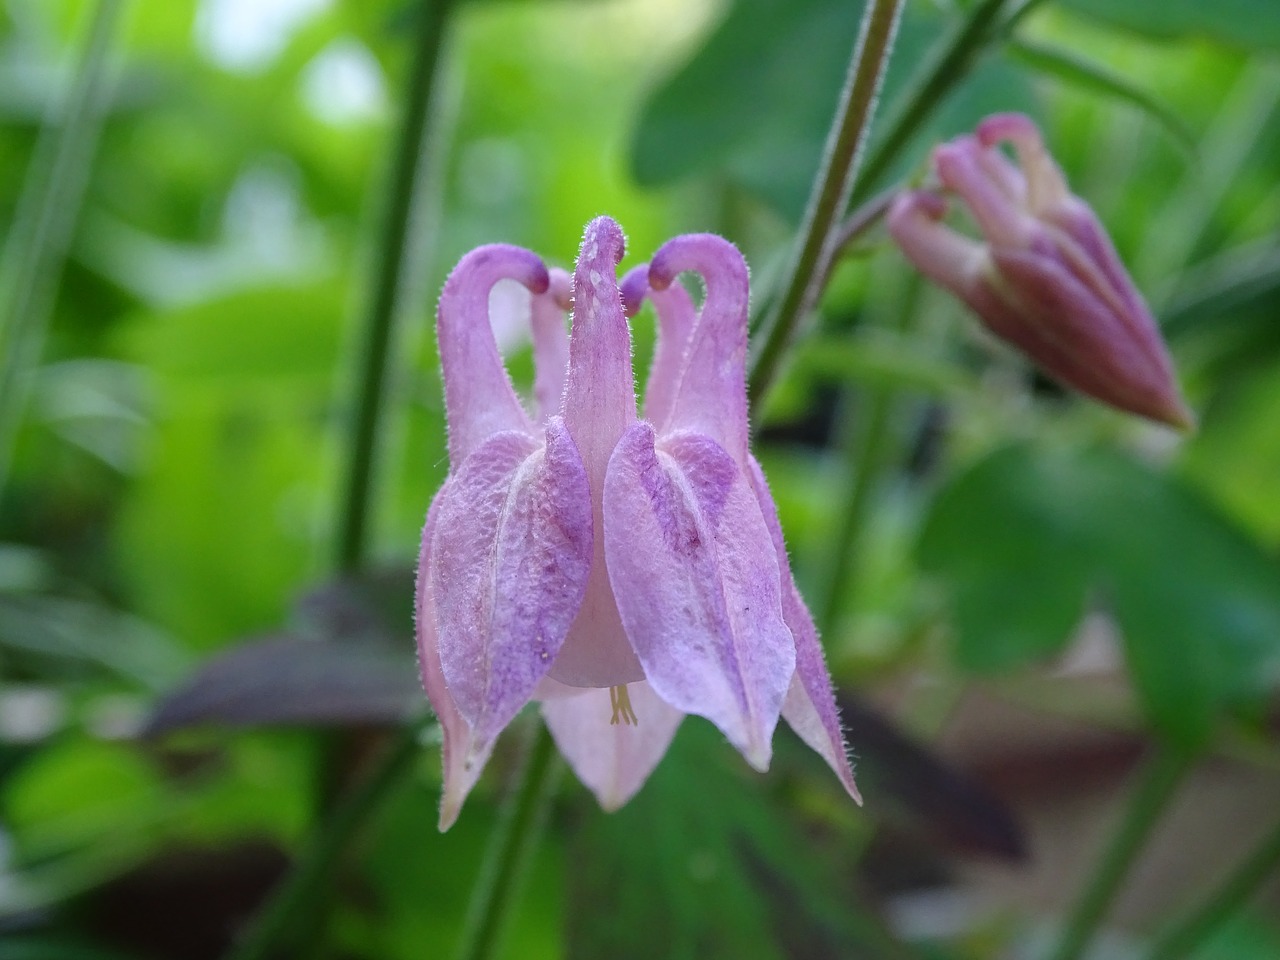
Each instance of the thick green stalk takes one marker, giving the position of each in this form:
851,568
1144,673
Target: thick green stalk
1182,939
1156,784
831,189
46,219
301,890
940,73
389,264
511,847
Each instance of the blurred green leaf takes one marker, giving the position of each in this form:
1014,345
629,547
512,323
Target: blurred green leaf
1028,539
1251,24
1071,68
737,880
755,102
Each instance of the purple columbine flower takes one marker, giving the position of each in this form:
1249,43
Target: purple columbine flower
624,571
1047,278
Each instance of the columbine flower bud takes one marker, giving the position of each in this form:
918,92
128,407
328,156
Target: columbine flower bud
1047,279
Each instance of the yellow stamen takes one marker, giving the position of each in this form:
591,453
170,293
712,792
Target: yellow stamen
620,700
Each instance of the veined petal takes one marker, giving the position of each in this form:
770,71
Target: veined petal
551,343
1080,341
696,578
478,396
810,707
599,404
676,318
711,396
512,549
462,763
612,759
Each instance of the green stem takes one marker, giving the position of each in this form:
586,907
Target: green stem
511,847
389,260
46,219
1157,782
307,883
1182,939
947,63
831,189
870,452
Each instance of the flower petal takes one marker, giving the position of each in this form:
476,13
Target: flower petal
599,404
961,168
810,707
478,396
711,396
696,579
462,763
551,344
946,257
512,549
676,318
612,759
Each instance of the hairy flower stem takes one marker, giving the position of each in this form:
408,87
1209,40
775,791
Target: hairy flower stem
832,189
1157,781
306,885
511,847
947,64
1185,937
389,263
45,221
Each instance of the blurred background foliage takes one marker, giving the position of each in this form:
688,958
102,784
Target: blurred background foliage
1028,592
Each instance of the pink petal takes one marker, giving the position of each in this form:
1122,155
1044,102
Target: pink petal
946,257
550,344
462,763
696,577
810,707
676,318
711,396
1046,186
960,167
612,760
479,399
512,549
599,404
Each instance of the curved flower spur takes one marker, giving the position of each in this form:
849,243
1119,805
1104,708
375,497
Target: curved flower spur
1047,279
624,571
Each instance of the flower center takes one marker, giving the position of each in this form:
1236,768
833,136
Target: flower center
620,700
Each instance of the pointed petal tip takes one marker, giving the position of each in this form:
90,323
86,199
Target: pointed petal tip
603,237
758,754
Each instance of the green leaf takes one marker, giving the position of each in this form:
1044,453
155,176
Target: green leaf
1029,539
742,108
1251,24
700,864
1067,66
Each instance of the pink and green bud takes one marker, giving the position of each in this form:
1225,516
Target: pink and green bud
1046,279
624,567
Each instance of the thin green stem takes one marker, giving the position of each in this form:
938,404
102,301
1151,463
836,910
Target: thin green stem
389,263
511,847
1185,937
947,63
831,189
870,451
1157,782
307,883
45,221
